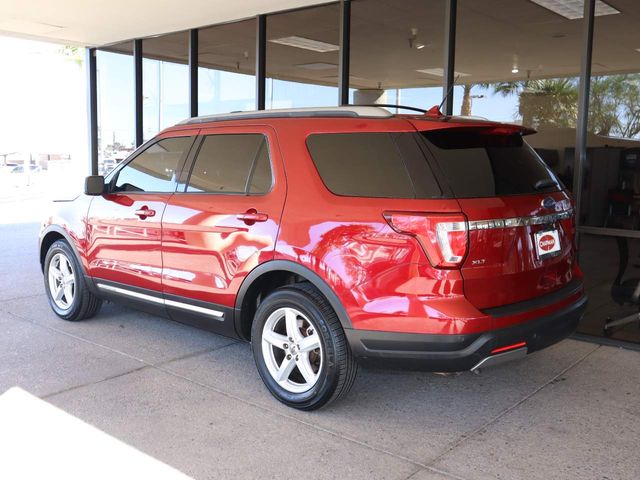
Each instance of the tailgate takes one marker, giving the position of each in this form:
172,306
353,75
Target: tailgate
520,219
518,249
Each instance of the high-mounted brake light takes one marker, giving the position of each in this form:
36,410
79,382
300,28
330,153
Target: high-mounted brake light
442,236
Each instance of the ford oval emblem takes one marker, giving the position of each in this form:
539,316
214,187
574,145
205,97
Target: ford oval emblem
548,202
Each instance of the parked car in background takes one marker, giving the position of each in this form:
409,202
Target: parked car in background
327,238
19,175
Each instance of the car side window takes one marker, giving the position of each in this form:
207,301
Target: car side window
232,163
154,169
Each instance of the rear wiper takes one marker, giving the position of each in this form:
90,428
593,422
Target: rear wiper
545,183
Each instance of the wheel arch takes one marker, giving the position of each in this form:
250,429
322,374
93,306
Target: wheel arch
281,271
52,234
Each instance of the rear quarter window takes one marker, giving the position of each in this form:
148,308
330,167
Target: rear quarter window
373,164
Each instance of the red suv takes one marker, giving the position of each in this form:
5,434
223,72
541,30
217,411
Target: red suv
328,237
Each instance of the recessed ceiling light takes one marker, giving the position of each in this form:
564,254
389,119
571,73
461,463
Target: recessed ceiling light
439,72
573,9
515,70
317,66
420,46
306,43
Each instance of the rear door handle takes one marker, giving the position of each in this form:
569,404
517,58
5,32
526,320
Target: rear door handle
252,216
145,212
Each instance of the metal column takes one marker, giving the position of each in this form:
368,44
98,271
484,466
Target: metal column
92,108
261,58
580,157
137,61
345,47
193,72
448,79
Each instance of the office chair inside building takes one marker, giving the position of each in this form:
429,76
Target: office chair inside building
624,292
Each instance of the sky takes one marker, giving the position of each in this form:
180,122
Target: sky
42,100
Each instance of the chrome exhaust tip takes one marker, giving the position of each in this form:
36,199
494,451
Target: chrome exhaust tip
499,358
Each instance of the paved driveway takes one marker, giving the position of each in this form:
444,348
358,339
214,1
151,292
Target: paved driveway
193,400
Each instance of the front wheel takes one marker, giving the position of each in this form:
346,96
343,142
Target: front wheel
65,285
300,348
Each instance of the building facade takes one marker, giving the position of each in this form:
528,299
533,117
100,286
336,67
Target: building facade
570,69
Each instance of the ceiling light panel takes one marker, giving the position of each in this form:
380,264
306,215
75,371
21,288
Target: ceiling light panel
317,66
306,43
573,9
439,72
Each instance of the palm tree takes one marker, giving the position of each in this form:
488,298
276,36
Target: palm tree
467,98
546,102
614,105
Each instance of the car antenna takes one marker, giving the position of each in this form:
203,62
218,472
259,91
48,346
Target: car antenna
455,80
390,105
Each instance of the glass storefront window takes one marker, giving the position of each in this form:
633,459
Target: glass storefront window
116,130
397,52
226,73
610,213
519,62
302,57
165,78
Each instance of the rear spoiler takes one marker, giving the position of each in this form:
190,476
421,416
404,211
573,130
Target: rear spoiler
492,128
485,126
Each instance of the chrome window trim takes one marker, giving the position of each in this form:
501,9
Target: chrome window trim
519,221
170,303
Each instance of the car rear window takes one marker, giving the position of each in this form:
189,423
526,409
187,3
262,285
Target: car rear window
477,162
373,164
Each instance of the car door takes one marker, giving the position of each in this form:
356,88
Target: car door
124,224
222,223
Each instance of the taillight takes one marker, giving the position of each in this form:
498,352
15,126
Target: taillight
442,236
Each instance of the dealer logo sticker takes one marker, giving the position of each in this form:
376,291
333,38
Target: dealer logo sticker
547,242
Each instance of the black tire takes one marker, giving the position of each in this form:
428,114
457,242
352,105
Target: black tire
339,368
85,304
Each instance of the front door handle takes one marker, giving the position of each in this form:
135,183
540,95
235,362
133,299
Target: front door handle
145,212
252,216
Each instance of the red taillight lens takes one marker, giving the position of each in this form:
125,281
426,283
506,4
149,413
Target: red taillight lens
442,236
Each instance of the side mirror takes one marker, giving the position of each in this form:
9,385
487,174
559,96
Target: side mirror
94,185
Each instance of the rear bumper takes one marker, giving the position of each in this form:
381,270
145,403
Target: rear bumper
455,353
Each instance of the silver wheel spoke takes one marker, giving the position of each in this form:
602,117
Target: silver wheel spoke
293,331
304,365
59,294
68,294
64,267
275,339
286,367
309,343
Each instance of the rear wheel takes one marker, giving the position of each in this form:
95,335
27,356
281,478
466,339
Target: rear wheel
65,285
300,348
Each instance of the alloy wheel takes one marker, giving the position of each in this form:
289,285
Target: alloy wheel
62,281
292,350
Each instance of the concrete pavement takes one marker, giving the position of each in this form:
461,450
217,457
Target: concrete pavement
193,400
